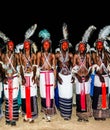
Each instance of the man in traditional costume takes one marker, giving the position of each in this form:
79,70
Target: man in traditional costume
11,83
101,59
46,63
64,76
28,76
81,71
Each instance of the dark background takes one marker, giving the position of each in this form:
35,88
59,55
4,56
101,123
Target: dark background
17,17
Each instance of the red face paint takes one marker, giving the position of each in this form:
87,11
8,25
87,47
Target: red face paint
27,45
81,47
65,46
99,45
10,45
46,45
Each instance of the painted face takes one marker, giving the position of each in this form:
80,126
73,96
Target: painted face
10,45
65,46
82,47
27,45
46,45
99,45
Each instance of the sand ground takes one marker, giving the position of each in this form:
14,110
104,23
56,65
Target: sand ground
57,123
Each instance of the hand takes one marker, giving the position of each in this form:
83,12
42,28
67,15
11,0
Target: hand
23,81
72,80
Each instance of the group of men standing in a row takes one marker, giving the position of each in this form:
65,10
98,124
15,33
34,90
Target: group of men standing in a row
22,73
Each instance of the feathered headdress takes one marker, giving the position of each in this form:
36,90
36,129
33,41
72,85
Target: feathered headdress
104,33
86,37
103,37
65,33
45,35
5,40
88,33
4,37
27,36
19,47
30,31
34,47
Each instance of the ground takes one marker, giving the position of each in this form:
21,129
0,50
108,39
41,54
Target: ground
57,123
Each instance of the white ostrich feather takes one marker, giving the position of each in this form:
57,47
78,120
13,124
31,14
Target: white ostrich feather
65,31
88,33
104,33
19,47
34,47
108,38
93,49
4,37
30,31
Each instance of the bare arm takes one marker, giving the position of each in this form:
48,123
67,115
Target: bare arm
38,58
71,59
74,59
21,68
34,64
54,64
94,58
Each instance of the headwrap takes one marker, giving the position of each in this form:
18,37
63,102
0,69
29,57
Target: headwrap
104,37
27,36
45,35
86,37
6,40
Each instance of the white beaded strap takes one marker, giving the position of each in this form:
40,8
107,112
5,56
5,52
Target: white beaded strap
1,62
35,65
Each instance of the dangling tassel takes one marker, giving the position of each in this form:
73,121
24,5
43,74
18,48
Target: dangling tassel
47,80
10,99
83,104
92,84
28,99
103,96
48,96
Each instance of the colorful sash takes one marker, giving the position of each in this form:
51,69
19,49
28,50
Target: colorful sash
82,96
28,100
10,99
103,96
48,85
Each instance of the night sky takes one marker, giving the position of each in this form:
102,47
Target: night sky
17,18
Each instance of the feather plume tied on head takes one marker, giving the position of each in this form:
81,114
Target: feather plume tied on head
88,33
65,31
65,35
104,33
44,34
4,37
19,47
104,37
34,47
30,31
5,40
86,37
